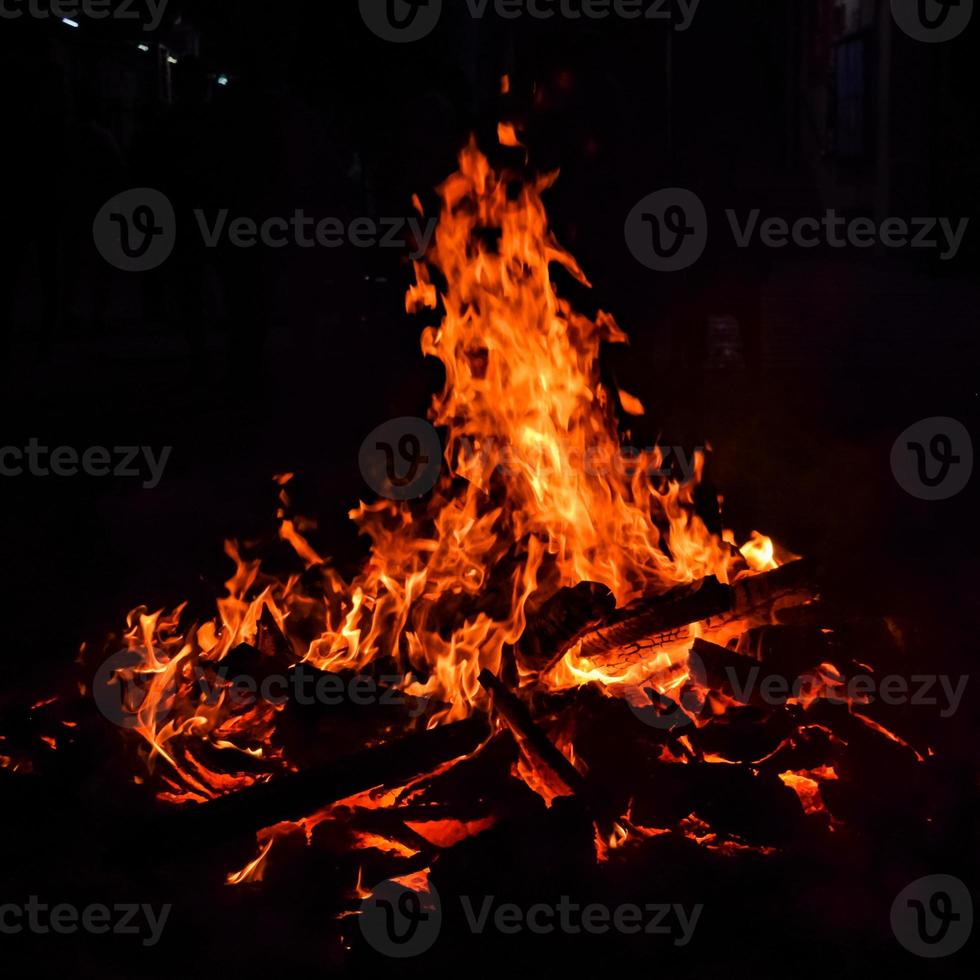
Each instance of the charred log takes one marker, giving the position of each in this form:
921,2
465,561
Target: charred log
300,794
556,623
661,621
729,672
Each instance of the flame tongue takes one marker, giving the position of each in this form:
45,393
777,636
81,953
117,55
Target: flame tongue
547,499
523,398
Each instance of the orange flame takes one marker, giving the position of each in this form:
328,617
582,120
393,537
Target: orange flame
534,497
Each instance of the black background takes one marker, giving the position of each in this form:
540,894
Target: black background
266,363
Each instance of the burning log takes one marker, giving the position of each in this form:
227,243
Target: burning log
557,622
299,794
730,672
661,621
517,716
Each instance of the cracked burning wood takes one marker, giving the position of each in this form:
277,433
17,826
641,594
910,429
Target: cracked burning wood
663,621
300,794
558,620
730,672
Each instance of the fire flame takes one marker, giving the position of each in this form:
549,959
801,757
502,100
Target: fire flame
535,496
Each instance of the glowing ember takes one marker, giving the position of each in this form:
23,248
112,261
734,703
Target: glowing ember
806,783
445,833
